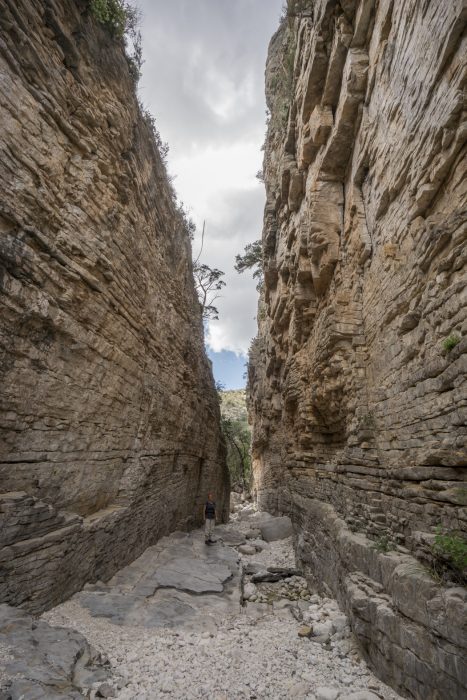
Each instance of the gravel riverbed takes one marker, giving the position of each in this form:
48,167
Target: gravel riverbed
253,651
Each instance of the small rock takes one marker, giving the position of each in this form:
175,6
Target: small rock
299,690
252,534
247,549
360,695
339,623
253,568
322,631
305,631
326,693
249,590
105,690
259,545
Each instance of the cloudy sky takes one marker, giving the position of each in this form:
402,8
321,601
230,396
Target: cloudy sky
203,80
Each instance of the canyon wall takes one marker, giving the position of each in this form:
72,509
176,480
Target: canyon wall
109,419
357,379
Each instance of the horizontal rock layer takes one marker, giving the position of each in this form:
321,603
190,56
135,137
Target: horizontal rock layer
357,380
109,419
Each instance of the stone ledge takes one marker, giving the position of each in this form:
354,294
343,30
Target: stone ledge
412,630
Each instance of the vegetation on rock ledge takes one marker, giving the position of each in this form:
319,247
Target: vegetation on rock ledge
450,550
114,14
122,20
237,435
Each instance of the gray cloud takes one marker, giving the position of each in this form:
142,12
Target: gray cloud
203,80
197,54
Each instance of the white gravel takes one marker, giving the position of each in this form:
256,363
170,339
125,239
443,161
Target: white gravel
248,657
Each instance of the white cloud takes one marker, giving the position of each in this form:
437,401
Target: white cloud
203,81
208,173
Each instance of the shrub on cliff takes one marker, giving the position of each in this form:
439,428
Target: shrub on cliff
122,19
450,548
114,14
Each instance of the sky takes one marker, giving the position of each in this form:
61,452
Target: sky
203,81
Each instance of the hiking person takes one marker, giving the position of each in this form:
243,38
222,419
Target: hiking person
209,518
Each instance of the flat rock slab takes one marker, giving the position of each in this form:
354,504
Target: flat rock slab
276,529
273,574
259,545
44,662
230,537
189,574
178,582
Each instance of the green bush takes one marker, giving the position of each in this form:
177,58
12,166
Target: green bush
451,341
384,544
112,13
452,547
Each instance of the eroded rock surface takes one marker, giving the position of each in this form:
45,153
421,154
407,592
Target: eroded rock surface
358,376
109,428
40,662
176,582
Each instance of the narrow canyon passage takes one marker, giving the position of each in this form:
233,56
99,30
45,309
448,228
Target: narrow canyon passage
186,620
111,425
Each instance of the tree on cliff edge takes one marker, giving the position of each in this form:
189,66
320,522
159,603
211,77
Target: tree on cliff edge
208,282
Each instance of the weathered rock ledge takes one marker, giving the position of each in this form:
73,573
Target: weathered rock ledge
357,387
109,419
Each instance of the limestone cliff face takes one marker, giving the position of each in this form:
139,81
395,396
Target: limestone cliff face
359,412
109,421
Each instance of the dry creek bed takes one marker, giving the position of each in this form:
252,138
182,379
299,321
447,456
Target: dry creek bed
188,621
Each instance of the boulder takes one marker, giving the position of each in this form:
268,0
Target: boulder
249,590
276,529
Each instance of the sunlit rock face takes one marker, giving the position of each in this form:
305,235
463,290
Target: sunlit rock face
358,409
109,420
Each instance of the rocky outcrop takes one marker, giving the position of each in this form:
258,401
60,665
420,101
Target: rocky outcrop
357,379
40,661
109,420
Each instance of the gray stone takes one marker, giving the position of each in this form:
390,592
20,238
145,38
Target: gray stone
249,590
324,693
360,695
273,574
229,536
259,545
322,632
277,529
253,534
50,663
252,567
247,549
189,574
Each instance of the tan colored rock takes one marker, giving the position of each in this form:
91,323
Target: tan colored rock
109,420
358,411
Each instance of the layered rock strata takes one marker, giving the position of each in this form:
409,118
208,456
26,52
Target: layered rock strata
109,420
357,380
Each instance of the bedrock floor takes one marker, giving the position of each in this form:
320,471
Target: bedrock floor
186,620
